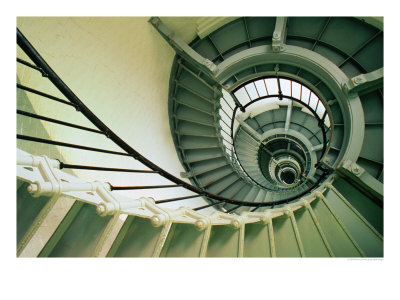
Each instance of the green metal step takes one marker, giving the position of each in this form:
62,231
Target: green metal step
189,128
231,191
191,142
197,155
205,166
222,183
211,177
192,115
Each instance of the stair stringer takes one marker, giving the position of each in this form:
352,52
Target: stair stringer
112,204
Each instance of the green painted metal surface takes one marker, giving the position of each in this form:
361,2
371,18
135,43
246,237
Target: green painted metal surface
196,133
78,233
28,208
340,243
139,238
182,48
365,83
224,242
285,239
313,243
256,240
366,238
371,210
184,240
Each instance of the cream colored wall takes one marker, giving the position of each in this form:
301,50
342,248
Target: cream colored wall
120,68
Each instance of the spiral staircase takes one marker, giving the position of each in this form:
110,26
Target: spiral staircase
278,124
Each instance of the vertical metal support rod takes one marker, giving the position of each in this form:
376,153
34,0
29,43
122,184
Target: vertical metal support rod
120,236
227,103
271,238
238,104
168,240
161,239
106,233
206,239
343,227
280,94
24,243
289,115
297,233
241,240
319,228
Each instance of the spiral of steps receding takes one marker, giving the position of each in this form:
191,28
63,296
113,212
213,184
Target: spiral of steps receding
194,103
341,216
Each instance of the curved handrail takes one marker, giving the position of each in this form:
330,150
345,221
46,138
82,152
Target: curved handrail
313,89
48,72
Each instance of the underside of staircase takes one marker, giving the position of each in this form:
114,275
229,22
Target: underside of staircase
278,124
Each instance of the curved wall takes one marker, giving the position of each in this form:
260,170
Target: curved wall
119,67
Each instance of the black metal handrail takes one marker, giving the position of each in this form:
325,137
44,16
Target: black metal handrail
47,71
320,120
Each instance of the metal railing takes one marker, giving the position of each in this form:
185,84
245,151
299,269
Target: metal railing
40,65
237,104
